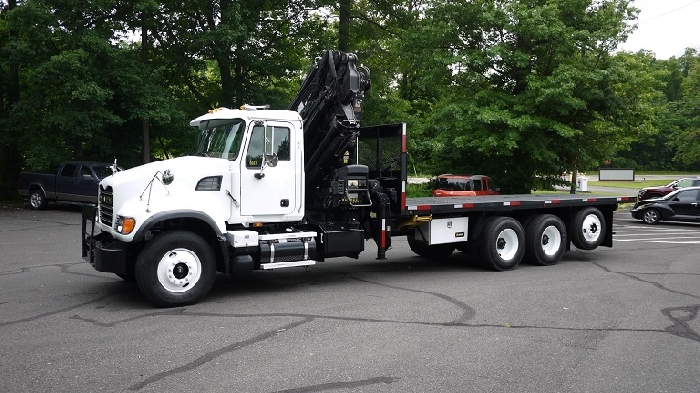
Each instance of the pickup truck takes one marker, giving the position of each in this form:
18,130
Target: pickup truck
448,185
74,182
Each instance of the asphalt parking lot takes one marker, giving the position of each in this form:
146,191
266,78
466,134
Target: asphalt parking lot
621,319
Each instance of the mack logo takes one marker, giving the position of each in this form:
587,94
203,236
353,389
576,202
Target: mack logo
459,234
107,199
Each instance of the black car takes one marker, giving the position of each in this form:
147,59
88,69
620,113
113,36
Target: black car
680,205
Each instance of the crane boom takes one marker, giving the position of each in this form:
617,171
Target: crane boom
330,102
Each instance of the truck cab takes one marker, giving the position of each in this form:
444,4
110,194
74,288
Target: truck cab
265,154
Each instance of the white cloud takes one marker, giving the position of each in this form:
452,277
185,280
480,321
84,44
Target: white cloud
665,27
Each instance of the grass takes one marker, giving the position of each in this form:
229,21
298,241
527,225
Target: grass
636,184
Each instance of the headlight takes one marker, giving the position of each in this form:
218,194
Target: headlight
125,225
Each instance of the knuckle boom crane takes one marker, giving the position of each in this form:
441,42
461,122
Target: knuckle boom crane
270,189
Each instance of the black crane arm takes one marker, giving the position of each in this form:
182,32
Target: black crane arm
330,102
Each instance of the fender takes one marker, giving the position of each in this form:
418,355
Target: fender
169,215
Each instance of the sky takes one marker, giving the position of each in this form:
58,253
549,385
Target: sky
665,27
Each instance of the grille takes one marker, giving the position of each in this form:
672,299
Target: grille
106,205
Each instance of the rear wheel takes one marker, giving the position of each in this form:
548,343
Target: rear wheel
175,269
588,229
502,243
545,237
435,251
651,216
37,200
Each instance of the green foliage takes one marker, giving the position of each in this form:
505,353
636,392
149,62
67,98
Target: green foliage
519,90
419,190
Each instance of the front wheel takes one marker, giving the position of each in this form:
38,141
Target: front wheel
651,216
175,269
502,243
588,229
37,200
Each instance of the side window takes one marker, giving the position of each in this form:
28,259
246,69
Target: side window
68,170
477,185
253,158
688,196
684,183
85,171
276,141
280,143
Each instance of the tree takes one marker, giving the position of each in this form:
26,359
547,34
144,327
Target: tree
535,89
686,139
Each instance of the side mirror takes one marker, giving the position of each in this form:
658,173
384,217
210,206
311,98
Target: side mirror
168,177
271,160
87,177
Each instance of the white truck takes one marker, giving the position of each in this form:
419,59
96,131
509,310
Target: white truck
271,189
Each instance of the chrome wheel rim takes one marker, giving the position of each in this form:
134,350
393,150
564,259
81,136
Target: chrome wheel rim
179,270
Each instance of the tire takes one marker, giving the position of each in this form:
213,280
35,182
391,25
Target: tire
37,200
651,216
588,229
545,240
175,269
435,251
502,243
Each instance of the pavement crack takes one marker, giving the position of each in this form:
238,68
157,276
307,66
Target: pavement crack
467,312
59,311
681,316
341,385
206,358
654,283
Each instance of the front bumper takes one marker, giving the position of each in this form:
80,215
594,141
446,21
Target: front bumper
104,253
637,212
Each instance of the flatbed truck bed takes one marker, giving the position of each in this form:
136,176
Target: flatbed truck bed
450,205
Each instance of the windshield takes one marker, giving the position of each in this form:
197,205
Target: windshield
220,138
103,171
671,195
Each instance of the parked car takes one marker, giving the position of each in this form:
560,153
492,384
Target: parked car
680,205
447,185
75,181
659,191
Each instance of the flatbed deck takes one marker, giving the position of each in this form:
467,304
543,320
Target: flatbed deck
428,205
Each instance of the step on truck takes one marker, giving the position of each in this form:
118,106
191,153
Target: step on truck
271,189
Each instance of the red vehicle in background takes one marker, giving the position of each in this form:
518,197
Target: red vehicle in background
659,191
448,185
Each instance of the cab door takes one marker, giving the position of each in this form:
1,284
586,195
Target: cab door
686,205
270,180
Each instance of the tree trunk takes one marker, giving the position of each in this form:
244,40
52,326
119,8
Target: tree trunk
574,175
10,154
145,128
344,25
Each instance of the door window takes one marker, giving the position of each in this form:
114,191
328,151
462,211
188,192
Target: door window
85,172
68,170
275,141
687,196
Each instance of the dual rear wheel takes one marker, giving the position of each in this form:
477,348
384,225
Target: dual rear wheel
505,242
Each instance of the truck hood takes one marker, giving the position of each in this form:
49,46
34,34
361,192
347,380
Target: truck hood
133,182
